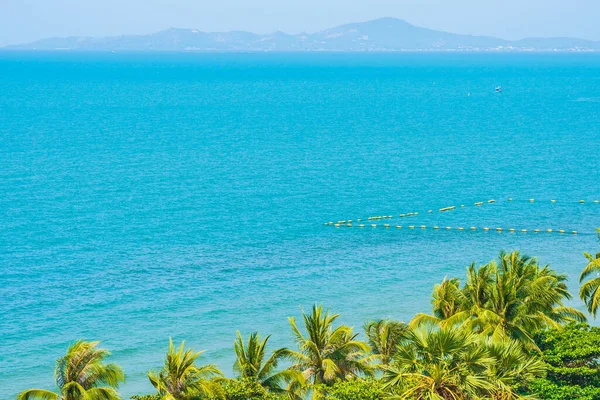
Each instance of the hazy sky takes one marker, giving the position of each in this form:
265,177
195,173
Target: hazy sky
27,20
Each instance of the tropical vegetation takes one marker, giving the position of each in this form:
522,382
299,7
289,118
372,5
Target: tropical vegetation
253,366
506,333
82,374
571,356
509,299
182,379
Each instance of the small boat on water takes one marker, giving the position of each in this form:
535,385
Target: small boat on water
498,89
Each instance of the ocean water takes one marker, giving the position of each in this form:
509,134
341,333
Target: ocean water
148,196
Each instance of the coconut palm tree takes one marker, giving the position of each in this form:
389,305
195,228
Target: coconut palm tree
384,337
522,299
251,363
510,299
180,377
82,375
589,292
327,354
440,363
448,302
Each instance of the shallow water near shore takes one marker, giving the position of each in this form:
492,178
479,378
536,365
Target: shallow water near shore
148,196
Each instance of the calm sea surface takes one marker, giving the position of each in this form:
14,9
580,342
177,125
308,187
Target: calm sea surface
144,197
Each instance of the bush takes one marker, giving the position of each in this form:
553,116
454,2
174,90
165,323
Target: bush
146,397
246,390
356,389
571,355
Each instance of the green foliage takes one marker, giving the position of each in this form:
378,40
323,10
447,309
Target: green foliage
327,354
446,363
590,292
252,364
571,355
180,377
146,397
356,389
384,337
545,389
82,375
453,363
512,298
246,389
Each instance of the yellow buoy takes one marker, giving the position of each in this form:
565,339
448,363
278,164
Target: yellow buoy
349,225
574,232
436,227
374,225
416,213
447,208
549,230
582,201
402,215
361,226
448,227
499,229
523,230
485,228
491,201
398,226
473,228
337,225
461,229
512,229
562,231
595,201
536,230
531,200
430,211
462,206
386,225
423,227
349,221
510,199
411,227
553,201
389,216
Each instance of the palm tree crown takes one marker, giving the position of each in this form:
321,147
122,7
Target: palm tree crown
82,375
589,292
251,363
509,299
453,363
326,353
441,363
180,377
384,337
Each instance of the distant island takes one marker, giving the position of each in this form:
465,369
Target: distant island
380,35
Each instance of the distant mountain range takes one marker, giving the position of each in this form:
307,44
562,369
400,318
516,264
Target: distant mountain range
385,34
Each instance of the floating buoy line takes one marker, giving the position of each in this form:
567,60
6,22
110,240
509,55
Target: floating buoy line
368,222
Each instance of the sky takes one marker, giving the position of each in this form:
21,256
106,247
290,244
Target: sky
27,20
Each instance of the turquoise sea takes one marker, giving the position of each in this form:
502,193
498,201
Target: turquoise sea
148,196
